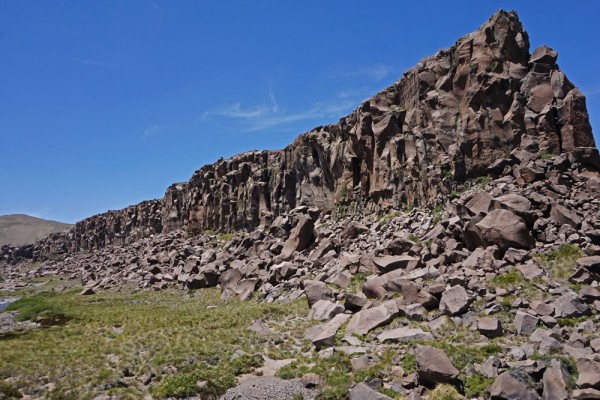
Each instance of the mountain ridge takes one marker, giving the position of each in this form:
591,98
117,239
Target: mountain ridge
19,229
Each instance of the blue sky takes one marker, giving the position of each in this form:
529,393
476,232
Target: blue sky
106,103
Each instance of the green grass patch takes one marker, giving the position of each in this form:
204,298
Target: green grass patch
387,218
336,372
560,263
38,309
508,279
409,362
482,181
357,281
377,370
445,392
477,385
437,213
110,333
9,391
225,237
573,321
414,238
546,156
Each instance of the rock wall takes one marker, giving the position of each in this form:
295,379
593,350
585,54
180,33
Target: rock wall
456,115
451,116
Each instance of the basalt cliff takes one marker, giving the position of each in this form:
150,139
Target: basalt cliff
468,111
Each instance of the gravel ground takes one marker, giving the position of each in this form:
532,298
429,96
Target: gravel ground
8,323
268,388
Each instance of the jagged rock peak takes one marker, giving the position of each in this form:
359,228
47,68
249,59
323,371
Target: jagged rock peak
470,110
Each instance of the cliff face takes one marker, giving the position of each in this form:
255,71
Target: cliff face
452,115
465,112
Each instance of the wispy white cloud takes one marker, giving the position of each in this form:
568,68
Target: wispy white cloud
152,130
592,92
157,9
265,116
316,111
237,111
100,63
374,72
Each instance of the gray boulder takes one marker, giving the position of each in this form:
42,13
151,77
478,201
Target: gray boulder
507,387
434,366
454,300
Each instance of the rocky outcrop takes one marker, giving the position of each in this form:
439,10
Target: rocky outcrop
483,106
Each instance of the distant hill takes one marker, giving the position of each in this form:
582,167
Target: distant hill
24,229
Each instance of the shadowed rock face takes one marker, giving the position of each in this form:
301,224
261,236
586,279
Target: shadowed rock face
451,117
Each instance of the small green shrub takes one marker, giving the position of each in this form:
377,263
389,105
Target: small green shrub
508,279
546,156
60,393
387,218
474,67
246,363
491,67
216,382
482,181
437,213
226,237
335,371
476,385
295,369
337,386
445,392
357,281
414,238
560,263
344,192
571,321
178,386
409,362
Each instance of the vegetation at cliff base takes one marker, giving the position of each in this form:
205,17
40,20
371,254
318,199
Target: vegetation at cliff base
168,344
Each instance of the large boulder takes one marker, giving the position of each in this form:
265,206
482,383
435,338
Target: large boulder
525,323
390,263
324,310
505,229
315,291
455,300
434,366
365,320
569,306
324,334
363,392
404,334
564,216
589,374
555,382
507,387
489,327
301,237
591,263
544,55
